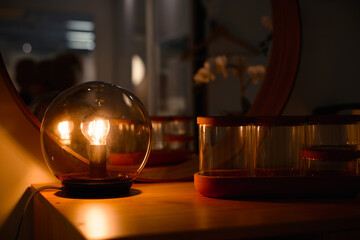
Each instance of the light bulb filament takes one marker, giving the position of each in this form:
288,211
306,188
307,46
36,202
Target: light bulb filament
96,131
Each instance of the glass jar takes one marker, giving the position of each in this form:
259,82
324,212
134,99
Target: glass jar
173,140
224,146
277,145
173,133
332,146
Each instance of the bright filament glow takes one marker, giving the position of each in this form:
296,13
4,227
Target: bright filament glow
65,128
96,131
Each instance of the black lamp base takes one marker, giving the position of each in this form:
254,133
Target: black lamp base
97,188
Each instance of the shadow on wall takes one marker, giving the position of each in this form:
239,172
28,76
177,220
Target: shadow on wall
328,70
40,82
21,162
9,228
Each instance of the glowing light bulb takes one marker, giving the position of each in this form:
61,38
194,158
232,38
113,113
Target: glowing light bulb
106,153
96,131
65,128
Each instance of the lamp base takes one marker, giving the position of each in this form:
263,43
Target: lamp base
97,188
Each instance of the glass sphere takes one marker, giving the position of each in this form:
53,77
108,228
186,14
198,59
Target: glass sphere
96,133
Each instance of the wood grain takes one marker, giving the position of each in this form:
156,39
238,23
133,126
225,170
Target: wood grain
178,211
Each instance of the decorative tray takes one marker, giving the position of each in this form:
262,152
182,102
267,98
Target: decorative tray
277,186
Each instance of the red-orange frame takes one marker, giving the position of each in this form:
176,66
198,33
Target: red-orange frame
283,61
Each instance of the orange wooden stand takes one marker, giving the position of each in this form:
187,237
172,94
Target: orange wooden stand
317,186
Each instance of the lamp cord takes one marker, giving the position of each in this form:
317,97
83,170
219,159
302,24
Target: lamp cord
28,202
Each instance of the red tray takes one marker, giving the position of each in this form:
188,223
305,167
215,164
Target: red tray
314,186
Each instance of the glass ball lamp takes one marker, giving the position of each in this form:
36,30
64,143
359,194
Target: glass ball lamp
96,138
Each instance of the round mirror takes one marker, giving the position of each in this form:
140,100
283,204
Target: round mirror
75,42
167,85
252,51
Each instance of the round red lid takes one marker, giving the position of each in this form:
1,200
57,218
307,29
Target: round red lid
225,121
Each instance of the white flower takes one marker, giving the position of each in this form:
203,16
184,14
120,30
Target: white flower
256,73
220,65
207,65
204,75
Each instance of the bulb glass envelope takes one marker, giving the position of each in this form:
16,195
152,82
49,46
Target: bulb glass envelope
96,132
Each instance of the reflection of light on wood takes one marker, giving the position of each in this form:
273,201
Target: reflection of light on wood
96,221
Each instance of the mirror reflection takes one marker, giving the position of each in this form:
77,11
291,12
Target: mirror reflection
151,48
238,39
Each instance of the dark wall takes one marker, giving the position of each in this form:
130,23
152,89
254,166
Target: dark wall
330,57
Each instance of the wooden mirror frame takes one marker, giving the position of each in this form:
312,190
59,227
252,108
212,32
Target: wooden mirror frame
15,95
281,70
283,62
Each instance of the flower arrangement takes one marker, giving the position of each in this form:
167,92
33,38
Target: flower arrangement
220,65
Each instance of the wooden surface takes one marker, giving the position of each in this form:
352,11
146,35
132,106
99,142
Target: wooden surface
178,211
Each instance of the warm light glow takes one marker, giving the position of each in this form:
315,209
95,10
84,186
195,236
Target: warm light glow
137,70
96,131
65,128
95,217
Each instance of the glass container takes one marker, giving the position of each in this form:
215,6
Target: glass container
96,136
224,146
173,140
277,145
332,146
